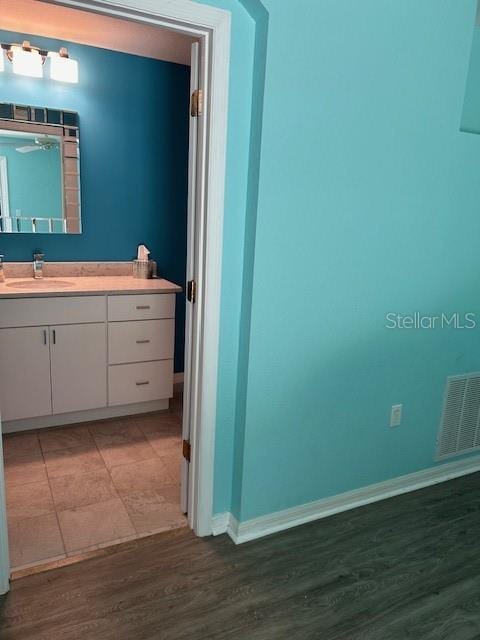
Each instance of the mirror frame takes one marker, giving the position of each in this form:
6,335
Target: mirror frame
65,125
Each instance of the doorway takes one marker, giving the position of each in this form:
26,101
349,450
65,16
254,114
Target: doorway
212,28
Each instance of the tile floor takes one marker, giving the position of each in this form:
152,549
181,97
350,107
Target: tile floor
82,487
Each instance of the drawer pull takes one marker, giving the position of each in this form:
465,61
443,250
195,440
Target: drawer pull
143,306
142,341
141,384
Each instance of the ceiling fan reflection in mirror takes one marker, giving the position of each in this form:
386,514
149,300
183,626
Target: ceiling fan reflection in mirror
43,143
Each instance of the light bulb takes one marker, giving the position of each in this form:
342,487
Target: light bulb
26,63
62,68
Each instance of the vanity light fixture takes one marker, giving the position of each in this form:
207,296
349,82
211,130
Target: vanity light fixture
62,67
26,60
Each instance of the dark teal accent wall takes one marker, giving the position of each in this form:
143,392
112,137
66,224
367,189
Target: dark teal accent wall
134,159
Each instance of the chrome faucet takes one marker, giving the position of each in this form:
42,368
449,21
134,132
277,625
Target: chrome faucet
38,260
2,272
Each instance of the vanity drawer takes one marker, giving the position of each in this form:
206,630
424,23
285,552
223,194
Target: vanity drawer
141,307
143,382
141,340
32,312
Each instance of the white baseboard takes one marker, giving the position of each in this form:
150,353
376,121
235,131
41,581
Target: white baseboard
103,413
220,523
224,523
281,520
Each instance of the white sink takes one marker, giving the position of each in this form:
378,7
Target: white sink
41,283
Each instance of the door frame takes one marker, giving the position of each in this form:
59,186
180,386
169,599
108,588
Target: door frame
4,556
211,26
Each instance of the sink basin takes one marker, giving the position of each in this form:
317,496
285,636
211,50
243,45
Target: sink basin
45,283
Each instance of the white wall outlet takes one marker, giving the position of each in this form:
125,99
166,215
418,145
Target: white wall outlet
396,415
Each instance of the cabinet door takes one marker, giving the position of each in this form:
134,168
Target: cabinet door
24,373
79,367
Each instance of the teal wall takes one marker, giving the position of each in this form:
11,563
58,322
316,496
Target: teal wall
133,159
34,180
368,200
375,208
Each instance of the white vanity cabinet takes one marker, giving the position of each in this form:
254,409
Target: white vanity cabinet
79,378
77,358
25,389
58,366
141,330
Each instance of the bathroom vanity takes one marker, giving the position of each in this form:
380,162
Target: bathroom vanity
84,348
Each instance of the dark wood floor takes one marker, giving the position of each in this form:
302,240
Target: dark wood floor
406,568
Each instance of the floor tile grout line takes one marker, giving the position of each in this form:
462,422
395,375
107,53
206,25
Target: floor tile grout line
108,469
57,517
121,498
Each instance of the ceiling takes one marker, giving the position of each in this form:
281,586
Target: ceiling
42,19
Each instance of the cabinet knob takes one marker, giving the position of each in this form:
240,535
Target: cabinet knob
140,384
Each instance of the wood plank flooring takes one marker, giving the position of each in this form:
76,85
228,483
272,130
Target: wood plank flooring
406,568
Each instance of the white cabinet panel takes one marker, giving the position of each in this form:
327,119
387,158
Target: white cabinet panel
79,367
29,312
141,307
140,382
24,373
139,341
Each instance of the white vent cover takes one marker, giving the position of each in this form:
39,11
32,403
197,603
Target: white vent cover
460,425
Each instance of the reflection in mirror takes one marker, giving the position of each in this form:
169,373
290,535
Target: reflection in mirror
39,175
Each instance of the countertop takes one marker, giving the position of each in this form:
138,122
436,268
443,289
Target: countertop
92,285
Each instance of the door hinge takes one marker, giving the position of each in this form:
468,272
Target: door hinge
196,104
187,450
191,291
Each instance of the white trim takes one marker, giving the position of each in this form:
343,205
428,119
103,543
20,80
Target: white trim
212,27
184,16
104,413
4,199
220,523
281,520
4,557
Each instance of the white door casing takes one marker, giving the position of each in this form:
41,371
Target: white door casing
188,395
4,560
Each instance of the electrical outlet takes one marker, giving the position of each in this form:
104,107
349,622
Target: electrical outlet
396,415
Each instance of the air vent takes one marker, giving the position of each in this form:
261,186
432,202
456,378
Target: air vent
460,426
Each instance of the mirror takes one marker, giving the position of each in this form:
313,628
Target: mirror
39,170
